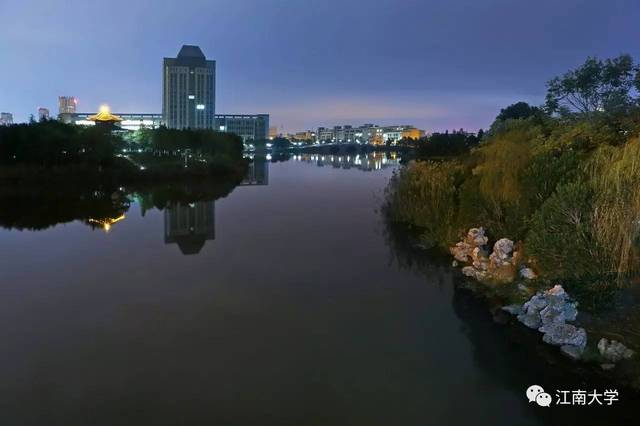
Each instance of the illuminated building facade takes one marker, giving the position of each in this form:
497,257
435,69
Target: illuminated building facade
367,134
250,127
130,121
67,105
6,118
188,95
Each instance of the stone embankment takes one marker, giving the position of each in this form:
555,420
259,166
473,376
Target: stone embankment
550,312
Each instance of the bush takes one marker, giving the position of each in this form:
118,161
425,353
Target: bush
562,238
424,194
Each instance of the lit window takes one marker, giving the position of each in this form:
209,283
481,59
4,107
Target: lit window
192,97
200,106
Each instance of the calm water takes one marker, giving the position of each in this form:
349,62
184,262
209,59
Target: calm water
284,303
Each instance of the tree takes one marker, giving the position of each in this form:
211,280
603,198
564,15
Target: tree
594,86
517,111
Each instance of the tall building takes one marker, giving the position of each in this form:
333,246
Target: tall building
250,127
43,114
188,95
6,118
67,104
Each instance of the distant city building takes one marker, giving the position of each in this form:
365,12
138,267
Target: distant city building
190,225
307,135
250,127
6,118
43,114
367,134
130,120
67,104
273,132
188,96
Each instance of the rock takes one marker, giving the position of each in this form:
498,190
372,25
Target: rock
514,309
531,320
472,272
607,366
573,352
556,291
528,274
559,334
454,263
480,259
613,350
476,237
461,251
550,315
503,249
536,303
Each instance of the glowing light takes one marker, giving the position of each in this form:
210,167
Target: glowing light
200,107
106,223
104,108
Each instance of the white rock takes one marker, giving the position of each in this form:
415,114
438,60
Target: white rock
503,248
613,350
565,334
476,237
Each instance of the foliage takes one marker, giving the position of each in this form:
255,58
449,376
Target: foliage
424,195
615,176
595,86
51,143
446,144
517,111
561,236
565,186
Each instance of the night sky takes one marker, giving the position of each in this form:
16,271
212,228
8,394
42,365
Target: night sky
434,64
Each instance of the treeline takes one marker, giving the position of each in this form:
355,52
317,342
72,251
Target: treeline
201,142
561,178
51,143
447,144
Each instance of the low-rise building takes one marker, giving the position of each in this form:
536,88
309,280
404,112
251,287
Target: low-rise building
130,121
367,134
6,118
250,127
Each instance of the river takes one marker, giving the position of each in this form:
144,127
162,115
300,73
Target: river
286,302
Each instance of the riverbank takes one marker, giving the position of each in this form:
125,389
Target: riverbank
548,197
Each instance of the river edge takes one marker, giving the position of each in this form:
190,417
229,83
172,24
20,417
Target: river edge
492,298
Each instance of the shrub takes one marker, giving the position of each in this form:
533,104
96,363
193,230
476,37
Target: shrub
561,237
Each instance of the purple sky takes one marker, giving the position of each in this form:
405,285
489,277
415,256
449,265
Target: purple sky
436,64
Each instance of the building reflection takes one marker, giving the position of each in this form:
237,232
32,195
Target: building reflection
190,226
365,162
258,173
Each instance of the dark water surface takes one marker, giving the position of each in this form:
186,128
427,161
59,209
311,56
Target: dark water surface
284,303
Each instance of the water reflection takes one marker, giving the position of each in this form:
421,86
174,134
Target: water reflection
366,162
190,225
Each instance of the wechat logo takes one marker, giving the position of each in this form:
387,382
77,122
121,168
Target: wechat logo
537,394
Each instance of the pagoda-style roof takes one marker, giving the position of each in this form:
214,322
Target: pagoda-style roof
104,116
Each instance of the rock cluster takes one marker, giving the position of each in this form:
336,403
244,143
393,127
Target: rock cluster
499,265
548,312
613,351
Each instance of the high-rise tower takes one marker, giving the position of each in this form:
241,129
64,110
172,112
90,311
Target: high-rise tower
189,93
